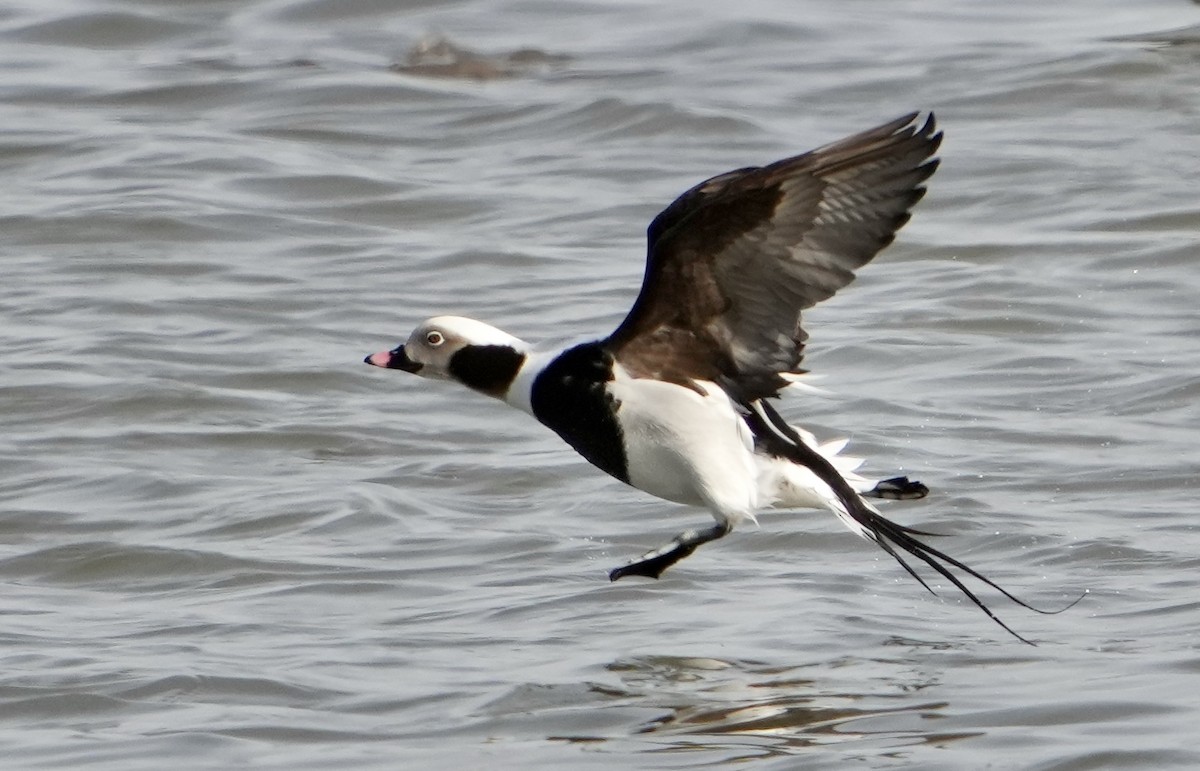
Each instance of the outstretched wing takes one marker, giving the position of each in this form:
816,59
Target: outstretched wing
733,261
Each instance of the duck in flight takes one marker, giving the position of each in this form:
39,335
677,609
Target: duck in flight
677,400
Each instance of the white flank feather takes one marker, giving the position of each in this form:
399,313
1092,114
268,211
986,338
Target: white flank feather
787,485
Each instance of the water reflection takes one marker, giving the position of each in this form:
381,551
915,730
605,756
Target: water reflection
738,708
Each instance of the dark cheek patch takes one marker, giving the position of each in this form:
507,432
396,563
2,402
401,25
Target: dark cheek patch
486,368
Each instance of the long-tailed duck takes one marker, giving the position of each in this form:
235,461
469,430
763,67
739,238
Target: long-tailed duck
675,401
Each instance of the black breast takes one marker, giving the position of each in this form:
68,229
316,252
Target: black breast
570,397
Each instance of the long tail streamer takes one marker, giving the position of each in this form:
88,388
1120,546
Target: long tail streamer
783,440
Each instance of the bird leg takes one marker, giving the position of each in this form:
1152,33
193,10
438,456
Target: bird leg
653,563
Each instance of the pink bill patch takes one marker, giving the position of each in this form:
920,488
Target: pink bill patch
380,359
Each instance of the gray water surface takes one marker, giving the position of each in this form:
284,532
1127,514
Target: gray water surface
225,543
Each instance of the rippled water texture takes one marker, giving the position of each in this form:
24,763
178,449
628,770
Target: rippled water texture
225,543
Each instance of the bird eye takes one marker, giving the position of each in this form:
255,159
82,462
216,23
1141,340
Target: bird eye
435,338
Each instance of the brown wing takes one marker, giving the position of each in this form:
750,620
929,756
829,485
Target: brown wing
733,261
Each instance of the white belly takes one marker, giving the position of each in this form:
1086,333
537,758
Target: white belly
687,447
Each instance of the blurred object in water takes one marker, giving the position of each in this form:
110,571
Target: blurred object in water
437,57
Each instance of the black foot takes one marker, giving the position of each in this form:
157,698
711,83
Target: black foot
653,563
651,566
898,489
